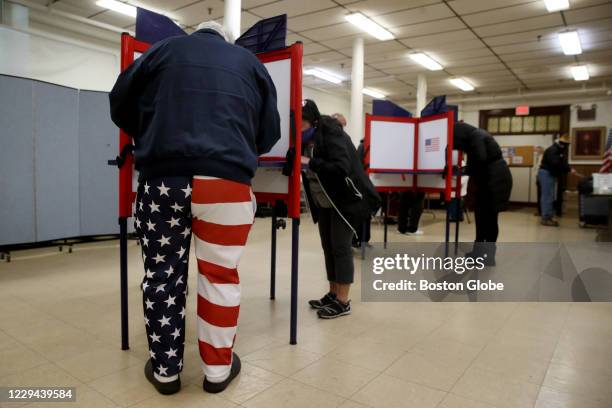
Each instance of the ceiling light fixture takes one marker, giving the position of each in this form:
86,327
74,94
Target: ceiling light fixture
369,26
426,61
118,6
462,84
556,5
324,74
373,93
580,72
570,42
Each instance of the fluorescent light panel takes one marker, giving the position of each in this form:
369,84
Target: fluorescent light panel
426,61
373,93
462,84
118,6
556,5
369,26
580,72
570,42
325,75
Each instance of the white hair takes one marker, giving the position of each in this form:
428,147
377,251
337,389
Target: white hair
213,25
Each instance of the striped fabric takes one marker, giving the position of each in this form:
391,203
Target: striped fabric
219,214
222,215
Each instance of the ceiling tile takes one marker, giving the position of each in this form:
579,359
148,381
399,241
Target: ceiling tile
425,42
514,13
473,6
527,24
432,27
198,12
292,7
414,16
318,19
330,32
528,46
378,7
588,13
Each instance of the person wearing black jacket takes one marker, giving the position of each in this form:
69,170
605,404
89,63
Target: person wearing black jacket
199,110
340,196
491,179
554,165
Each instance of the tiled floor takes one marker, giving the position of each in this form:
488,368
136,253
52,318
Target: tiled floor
59,325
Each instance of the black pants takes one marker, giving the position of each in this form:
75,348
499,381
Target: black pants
486,217
410,211
336,239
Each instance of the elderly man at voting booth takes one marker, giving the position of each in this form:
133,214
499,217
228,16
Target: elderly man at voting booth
199,124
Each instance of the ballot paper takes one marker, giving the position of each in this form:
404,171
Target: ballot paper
602,181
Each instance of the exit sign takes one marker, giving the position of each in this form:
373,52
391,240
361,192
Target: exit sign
522,110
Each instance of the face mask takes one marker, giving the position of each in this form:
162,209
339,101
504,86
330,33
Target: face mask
308,134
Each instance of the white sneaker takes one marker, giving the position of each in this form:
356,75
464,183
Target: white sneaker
417,232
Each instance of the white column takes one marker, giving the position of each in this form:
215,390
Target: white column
421,94
231,18
356,121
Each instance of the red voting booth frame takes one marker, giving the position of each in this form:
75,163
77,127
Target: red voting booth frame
447,190
129,47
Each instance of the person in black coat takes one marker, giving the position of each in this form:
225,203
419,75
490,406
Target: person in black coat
491,179
340,196
554,166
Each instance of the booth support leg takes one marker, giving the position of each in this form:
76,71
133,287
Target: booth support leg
386,215
295,236
457,234
447,230
273,257
123,282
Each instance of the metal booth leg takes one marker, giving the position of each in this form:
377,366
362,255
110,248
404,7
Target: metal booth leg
123,282
295,236
273,257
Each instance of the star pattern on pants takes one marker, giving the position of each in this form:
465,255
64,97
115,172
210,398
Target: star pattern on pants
163,224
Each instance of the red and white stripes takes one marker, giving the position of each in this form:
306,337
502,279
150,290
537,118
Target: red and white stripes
223,213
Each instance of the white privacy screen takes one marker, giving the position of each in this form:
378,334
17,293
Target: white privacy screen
280,71
392,145
433,138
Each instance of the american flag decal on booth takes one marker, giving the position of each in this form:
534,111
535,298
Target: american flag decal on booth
432,144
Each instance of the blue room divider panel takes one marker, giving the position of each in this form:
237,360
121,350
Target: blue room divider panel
97,180
16,162
56,161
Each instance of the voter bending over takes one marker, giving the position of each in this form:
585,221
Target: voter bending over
490,181
340,196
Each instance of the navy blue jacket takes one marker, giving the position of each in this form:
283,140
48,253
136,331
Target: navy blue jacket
197,105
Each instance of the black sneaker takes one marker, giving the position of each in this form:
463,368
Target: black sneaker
161,387
334,309
214,388
324,301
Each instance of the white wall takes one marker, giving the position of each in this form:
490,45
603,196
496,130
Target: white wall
524,189
470,114
30,54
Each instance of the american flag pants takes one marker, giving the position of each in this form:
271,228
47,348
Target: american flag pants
220,213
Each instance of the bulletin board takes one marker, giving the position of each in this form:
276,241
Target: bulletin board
518,156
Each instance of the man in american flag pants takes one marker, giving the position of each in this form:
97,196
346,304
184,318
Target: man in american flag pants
198,125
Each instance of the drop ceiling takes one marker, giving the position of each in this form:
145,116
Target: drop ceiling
498,45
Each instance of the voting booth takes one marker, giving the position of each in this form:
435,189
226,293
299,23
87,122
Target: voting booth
270,183
414,154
